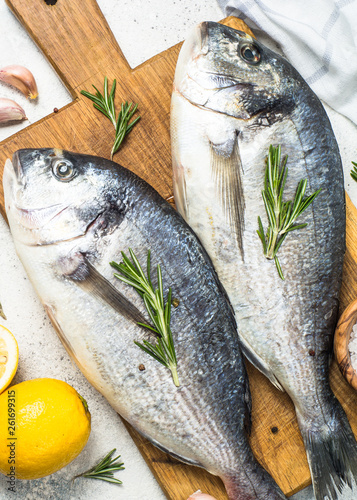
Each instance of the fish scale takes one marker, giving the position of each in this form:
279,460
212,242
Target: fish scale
97,210
285,327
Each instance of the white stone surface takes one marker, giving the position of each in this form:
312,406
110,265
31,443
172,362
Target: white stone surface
142,29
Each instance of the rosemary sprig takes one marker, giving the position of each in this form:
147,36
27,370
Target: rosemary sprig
105,469
159,312
105,104
281,214
354,171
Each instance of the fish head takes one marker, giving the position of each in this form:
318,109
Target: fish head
53,195
227,71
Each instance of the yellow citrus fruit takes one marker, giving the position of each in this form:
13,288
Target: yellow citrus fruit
9,357
44,425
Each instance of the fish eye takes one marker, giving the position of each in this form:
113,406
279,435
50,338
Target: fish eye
63,170
250,53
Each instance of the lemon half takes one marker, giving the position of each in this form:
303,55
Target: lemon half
9,357
44,425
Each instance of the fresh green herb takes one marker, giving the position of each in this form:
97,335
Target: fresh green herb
281,214
105,469
105,104
354,171
159,312
2,314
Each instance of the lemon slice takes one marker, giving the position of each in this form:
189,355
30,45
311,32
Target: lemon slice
9,357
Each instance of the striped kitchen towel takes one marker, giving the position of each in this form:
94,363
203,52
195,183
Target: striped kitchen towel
319,37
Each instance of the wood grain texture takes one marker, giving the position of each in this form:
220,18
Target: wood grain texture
76,39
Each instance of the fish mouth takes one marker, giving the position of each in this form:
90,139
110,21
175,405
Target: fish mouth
14,183
13,173
16,165
195,46
36,218
10,183
197,80
13,170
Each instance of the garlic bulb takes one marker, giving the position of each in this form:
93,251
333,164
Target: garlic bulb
10,111
20,78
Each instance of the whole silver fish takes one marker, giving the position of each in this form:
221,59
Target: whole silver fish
232,99
70,215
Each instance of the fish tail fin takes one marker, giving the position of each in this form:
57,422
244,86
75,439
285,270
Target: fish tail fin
256,484
331,450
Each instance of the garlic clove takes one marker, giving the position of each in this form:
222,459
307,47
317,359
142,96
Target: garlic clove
20,78
10,111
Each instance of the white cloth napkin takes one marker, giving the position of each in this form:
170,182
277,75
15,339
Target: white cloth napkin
319,38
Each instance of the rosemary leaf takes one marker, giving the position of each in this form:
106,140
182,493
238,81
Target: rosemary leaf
354,171
281,214
105,104
278,267
155,353
261,234
132,273
105,469
149,327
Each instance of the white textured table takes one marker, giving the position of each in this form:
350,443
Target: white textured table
142,29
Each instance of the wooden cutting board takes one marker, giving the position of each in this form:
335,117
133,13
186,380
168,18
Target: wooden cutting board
77,41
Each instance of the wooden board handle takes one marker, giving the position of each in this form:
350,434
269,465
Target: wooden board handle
72,27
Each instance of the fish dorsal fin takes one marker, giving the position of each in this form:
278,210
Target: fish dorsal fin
93,282
227,174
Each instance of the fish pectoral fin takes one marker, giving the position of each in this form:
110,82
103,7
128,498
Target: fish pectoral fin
99,286
227,174
260,364
94,283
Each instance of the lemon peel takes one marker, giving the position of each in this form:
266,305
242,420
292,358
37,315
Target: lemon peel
50,428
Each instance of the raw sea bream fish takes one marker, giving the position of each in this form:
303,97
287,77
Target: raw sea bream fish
232,99
70,216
